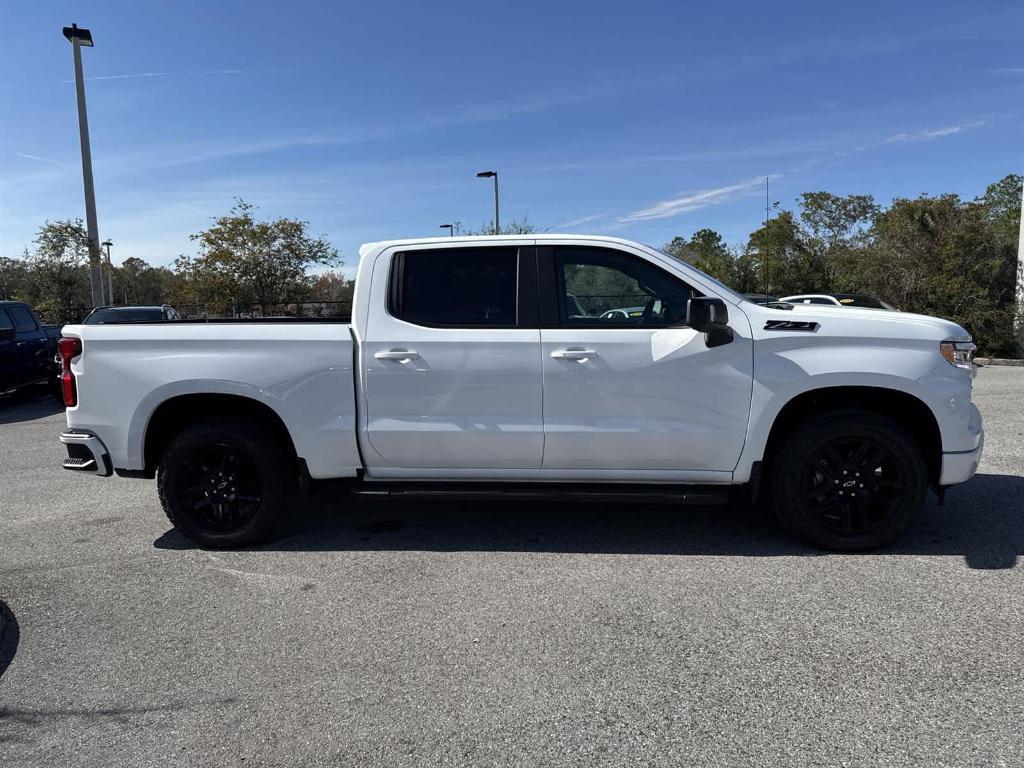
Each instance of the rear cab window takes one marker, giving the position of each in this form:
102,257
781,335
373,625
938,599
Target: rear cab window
455,287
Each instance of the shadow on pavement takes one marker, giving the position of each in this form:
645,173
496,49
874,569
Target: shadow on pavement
27,407
14,721
982,521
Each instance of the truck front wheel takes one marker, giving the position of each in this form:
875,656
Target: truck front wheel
849,480
222,482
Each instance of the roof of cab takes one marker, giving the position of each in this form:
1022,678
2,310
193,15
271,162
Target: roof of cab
444,240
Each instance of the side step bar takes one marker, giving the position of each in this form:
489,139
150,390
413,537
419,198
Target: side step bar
689,495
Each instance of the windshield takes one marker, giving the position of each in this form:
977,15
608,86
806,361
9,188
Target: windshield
730,293
125,315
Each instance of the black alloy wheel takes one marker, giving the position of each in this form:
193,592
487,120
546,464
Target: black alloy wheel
848,480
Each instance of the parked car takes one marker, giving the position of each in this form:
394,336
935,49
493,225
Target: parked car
840,300
464,371
27,348
111,315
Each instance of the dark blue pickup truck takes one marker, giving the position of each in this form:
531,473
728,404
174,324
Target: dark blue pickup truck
27,348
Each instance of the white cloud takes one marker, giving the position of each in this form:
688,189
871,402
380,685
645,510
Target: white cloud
124,77
579,221
36,157
933,133
696,200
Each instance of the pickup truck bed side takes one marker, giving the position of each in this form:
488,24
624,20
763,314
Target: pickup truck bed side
301,371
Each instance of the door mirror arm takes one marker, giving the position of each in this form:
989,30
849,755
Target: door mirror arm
710,316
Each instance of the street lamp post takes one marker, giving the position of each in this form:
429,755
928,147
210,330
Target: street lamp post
78,38
493,175
110,272
450,228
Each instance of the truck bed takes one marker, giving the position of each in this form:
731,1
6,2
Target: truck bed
300,369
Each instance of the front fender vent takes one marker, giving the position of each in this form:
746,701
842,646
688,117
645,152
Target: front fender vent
791,325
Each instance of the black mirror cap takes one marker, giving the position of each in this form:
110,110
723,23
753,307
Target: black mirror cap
709,316
7,334
704,312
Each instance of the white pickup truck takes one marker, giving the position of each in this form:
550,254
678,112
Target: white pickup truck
495,367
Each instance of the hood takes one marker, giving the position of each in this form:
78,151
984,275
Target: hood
872,322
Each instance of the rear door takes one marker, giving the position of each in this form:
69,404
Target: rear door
635,390
451,360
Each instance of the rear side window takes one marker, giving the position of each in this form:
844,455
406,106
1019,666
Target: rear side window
23,319
457,287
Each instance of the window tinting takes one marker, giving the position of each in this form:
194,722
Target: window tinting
23,319
605,288
126,315
460,287
5,321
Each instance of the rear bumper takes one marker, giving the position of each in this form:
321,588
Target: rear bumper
86,453
961,466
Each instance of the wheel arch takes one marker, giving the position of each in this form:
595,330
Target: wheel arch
902,407
177,413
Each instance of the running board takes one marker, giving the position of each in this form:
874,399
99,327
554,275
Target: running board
689,495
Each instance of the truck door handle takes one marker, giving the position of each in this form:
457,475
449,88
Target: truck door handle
573,353
397,354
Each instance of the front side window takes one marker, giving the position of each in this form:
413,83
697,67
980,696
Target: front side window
598,287
5,322
455,287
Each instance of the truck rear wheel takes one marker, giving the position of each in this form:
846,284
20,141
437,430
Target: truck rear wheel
850,480
223,482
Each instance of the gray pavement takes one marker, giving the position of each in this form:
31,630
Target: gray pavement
499,634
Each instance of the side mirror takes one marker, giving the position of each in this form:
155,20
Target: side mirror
709,316
6,334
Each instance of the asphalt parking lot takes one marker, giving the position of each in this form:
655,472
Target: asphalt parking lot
497,634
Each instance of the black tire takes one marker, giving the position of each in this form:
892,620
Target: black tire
848,480
225,482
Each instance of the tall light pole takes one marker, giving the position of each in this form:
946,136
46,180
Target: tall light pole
450,228
493,175
78,38
110,272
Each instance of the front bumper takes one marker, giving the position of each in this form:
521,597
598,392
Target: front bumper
961,466
86,453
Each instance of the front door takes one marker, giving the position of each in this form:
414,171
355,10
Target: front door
451,360
627,385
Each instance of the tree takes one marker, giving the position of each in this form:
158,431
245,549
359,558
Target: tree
515,227
136,282
58,278
242,260
707,251
782,262
833,229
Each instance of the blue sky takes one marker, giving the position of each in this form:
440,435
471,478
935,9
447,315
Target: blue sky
369,120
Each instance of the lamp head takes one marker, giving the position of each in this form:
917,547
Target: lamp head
83,36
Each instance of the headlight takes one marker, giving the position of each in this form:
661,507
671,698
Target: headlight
958,353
